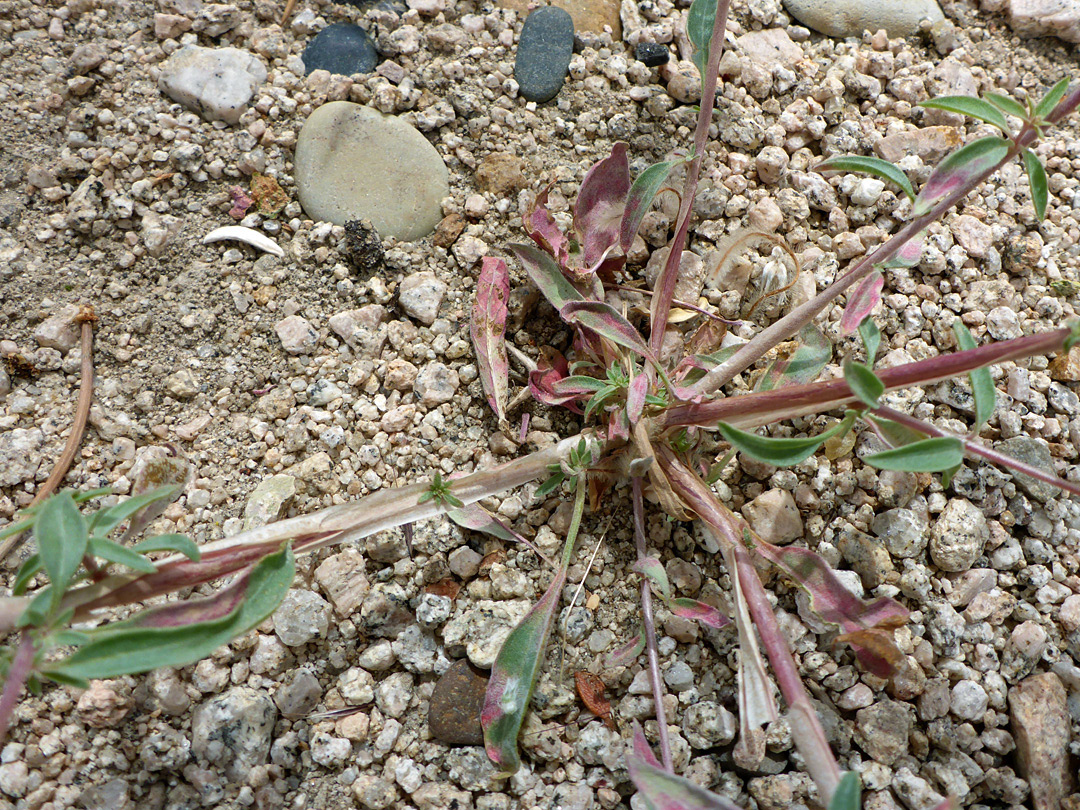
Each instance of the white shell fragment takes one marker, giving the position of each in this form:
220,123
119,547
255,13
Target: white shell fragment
242,234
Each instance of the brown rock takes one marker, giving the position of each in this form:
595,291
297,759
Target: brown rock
593,15
448,230
1066,367
501,173
454,716
1040,724
931,144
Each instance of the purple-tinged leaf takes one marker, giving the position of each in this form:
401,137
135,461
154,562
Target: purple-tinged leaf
687,608
542,228
832,602
635,397
550,368
640,199
513,677
1037,181
803,365
909,253
618,426
958,170
193,611
604,320
653,570
626,653
547,276
601,201
478,519
867,295
578,385
488,332
663,790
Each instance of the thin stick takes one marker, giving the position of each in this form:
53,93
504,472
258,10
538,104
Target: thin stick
78,426
676,302
288,12
650,628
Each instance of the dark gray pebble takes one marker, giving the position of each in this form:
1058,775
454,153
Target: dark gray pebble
543,53
652,54
341,48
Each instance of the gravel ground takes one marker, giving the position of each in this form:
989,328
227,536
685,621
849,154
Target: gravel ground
106,190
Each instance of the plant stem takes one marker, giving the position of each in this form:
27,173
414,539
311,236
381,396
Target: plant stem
650,628
748,410
16,679
575,523
78,428
665,285
974,448
795,320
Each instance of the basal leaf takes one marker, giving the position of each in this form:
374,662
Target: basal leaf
605,321
908,254
804,364
169,542
864,383
1008,105
550,368
513,677
699,28
640,199
698,611
104,521
547,276
488,332
982,386
601,203
637,394
848,795
868,165
664,791
781,452
929,455
61,535
1037,181
871,338
478,519
969,105
624,654
958,170
653,570
1051,99
866,296
542,228
132,647
122,555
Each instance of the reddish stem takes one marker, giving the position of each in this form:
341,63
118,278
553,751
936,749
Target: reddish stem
16,679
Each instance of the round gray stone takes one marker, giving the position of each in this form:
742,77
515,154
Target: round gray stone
543,53
353,162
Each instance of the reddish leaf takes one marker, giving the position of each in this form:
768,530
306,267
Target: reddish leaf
598,211
605,321
542,229
866,296
591,691
478,519
958,170
909,253
624,654
488,330
635,397
663,790
698,611
803,365
550,368
876,647
653,570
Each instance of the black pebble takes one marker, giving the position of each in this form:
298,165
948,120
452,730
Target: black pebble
363,246
342,48
543,53
651,54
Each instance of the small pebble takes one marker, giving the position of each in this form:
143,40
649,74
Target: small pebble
342,48
543,53
652,54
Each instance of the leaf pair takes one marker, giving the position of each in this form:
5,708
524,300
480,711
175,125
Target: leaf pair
653,570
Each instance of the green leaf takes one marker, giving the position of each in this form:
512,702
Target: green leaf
61,537
549,485
929,455
1008,105
969,105
130,648
169,542
864,383
37,612
640,199
781,452
90,494
27,571
20,526
653,570
871,338
513,677
896,434
547,275
1074,335
116,553
66,680
104,521
982,387
848,795
699,28
959,170
868,165
804,364
607,322
1051,99
1037,180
